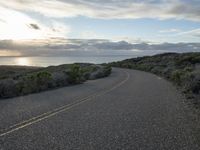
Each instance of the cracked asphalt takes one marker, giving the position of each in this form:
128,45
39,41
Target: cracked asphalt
129,110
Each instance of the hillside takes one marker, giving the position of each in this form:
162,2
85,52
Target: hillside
182,69
23,80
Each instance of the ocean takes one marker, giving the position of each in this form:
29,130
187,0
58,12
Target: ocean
49,61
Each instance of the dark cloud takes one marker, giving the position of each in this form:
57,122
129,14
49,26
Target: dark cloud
34,26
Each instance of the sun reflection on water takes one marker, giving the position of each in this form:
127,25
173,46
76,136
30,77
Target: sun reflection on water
22,61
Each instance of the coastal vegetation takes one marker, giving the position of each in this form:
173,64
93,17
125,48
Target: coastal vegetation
22,80
182,69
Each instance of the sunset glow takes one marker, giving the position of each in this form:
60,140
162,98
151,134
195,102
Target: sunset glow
23,61
16,26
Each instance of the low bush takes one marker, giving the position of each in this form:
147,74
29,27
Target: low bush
107,70
30,84
8,88
75,74
102,71
60,79
40,79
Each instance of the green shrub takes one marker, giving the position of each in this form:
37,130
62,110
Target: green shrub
86,71
193,82
196,59
123,65
177,76
41,79
7,88
107,70
34,82
75,74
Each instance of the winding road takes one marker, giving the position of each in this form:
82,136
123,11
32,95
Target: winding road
129,110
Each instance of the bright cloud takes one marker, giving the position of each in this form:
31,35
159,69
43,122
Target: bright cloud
98,19
106,9
170,31
17,25
192,33
19,18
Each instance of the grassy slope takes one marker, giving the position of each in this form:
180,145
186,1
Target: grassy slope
11,71
182,69
21,80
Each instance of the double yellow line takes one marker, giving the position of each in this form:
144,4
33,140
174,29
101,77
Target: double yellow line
58,110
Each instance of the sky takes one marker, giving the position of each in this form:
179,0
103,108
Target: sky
30,27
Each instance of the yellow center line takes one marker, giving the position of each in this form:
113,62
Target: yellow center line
58,110
46,113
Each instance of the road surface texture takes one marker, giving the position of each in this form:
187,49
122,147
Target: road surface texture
129,110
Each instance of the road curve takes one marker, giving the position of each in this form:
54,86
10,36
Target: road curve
127,110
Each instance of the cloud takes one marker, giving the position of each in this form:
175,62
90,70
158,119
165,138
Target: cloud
34,26
110,9
17,25
170,30
193,33
89,47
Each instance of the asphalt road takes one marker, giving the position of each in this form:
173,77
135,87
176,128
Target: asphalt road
129,110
